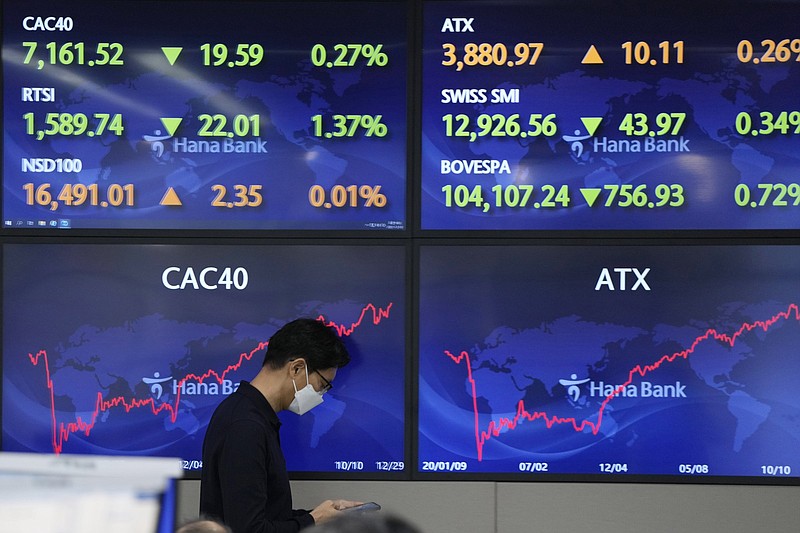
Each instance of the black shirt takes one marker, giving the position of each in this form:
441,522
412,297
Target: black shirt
244,481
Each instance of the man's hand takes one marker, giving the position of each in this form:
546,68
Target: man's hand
331,509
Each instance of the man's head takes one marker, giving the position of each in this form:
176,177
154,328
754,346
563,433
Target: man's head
301,362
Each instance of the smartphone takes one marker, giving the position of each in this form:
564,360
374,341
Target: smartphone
363,508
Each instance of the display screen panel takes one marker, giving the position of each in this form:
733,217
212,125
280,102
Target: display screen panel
583,115
127,349
204,115
673,363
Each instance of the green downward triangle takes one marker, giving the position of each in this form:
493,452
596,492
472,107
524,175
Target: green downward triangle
590,195
591,123
172,53
171,124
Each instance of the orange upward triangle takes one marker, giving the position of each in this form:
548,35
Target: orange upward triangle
171,198
592,57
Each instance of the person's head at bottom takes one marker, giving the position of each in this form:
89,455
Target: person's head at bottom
203,525
365,523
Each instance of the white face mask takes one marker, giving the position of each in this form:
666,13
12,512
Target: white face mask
305,399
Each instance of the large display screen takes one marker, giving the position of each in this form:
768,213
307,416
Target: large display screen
641,362
204,115
126,349
578,115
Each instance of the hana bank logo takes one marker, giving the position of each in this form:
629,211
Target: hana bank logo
576,146
156,142
573,388
186,387
577,149
600,389
155,384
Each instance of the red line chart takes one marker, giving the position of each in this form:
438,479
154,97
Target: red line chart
61,431
494,429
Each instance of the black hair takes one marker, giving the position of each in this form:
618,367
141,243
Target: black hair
309,339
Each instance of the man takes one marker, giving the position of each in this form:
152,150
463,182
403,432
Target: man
244,481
